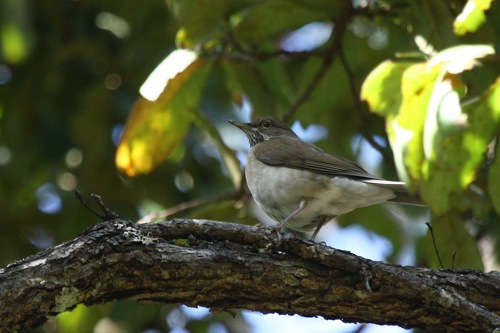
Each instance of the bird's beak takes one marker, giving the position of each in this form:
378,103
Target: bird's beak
242,126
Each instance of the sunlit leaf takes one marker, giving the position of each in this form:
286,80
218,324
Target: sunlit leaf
471,17
444,117
440,169
400,91
176,62
459,154
382,87
406,129
462,57
426,125
451,236
201,20
274,17
154,129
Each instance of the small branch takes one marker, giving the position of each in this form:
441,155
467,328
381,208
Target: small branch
453,255
244,55
167,213
107,215
250,56
431,230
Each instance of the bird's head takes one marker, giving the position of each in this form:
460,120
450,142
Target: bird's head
263,129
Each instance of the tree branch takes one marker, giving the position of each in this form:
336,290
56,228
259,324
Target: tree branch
228,266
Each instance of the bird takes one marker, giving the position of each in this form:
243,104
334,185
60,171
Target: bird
301,186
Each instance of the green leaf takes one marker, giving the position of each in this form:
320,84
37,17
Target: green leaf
277,82
382,87
248,79
266,84
431,21
274,17
471,17
201,20
155,129
451,236
484,122
401,92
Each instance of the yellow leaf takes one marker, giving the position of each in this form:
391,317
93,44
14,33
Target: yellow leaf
155,129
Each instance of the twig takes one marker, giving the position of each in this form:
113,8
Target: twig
188,205
434,242
361,327
107,215
250,55
453,259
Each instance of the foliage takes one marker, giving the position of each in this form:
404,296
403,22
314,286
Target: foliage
70,75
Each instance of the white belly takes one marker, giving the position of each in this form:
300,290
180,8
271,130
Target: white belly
279,191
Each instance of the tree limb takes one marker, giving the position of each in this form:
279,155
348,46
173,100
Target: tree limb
226,266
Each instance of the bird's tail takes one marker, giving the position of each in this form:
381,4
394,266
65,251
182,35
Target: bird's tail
399,188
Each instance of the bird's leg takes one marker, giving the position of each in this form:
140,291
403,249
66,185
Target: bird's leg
320,225
302,205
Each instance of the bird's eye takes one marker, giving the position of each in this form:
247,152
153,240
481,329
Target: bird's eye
266,124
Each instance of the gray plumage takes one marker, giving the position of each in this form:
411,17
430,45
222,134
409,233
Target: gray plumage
285,173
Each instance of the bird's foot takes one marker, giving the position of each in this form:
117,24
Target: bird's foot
271,228
274,228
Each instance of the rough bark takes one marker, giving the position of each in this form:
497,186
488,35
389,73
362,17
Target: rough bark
226,266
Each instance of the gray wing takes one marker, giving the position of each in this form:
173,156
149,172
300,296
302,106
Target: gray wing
296,154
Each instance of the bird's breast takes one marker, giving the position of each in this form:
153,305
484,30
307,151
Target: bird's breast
270,183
